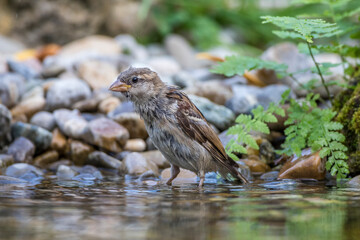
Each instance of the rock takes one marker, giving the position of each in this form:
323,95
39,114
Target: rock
5,123
185,176
39,136
244,170
29,68
136,164
23,171
65,173
71,123
88,173
107,134
220,116
256,166
22,150
101,159
58,141
79,152
266,152
45,120
157,158
184,79
3,64
10,180
131,47
135,145
164,65
6,160
98,74
133,123
354,182
11,88
182,51
64,93
29,107
92,116
10,46
109,104
214,90
147,175
125,107
269,176
46,158
308,166
55,165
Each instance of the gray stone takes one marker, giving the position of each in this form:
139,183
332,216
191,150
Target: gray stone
125,107
6,160
157,158
71,123
10,46
22,150
65,172
135,164
181,50
220,116
45,120
11,180
130,46
22,170
214,90
29,68
101,159
355,181
11,88
270,176
164,66
132,122
38,135
55,165
88,172
5,123
184,79
64,93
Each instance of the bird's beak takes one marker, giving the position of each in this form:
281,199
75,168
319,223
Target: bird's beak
118,86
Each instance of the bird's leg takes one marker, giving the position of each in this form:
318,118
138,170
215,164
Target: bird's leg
175,170
202,178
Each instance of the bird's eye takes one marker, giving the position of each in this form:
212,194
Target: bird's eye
135,79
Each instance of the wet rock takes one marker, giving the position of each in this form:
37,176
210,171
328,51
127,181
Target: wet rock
131,47
157,158
147,175
244,170
45,120
11,88
355,181
65,173
30,68
182,51
185,176
98,74
55,165
215,91
164,65
220,116
46,158
6,160
266,152
133,123
24,171
58,141
107,134
22,150
135,145
39,136
270,176
29,107
79,152
5,123
136,164
88,173
109,104
101,159
10,180
308,166
64,93
71,123
256,166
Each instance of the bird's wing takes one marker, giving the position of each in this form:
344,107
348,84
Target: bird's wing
195,126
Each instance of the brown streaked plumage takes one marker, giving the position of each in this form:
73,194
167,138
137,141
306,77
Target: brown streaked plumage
176,126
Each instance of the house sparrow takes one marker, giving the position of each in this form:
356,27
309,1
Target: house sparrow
176,126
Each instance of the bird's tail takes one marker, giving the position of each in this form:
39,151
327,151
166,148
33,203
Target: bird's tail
233,174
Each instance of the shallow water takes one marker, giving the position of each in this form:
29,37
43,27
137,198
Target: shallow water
118,208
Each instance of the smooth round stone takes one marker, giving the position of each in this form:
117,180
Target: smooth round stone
79,152
58,141
214,90
45,120
29,107
10,180
270,176
355,181
5,123
55,165
109,104
89,171
46,158
101,159
135,164
22,150
19,170
157,158
135,145
256,166
71,123
65,172
133,123
6,160
12,87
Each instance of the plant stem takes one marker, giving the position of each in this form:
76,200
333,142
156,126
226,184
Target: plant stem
319,71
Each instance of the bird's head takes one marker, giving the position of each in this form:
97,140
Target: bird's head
138,84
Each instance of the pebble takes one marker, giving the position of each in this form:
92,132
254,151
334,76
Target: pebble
22,150
11,88
10,180
156,157
30,68
135,145
5,123
79,152
55,165
220,116
64,93
270,176
133,123
131,47
71,123
101,159
38,135
58,141
46,158
65,172
256,166
164,65
29,106
108,104
354,182
44,119
6,160
135,164
23,171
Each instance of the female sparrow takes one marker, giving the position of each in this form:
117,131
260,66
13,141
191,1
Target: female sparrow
175,125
